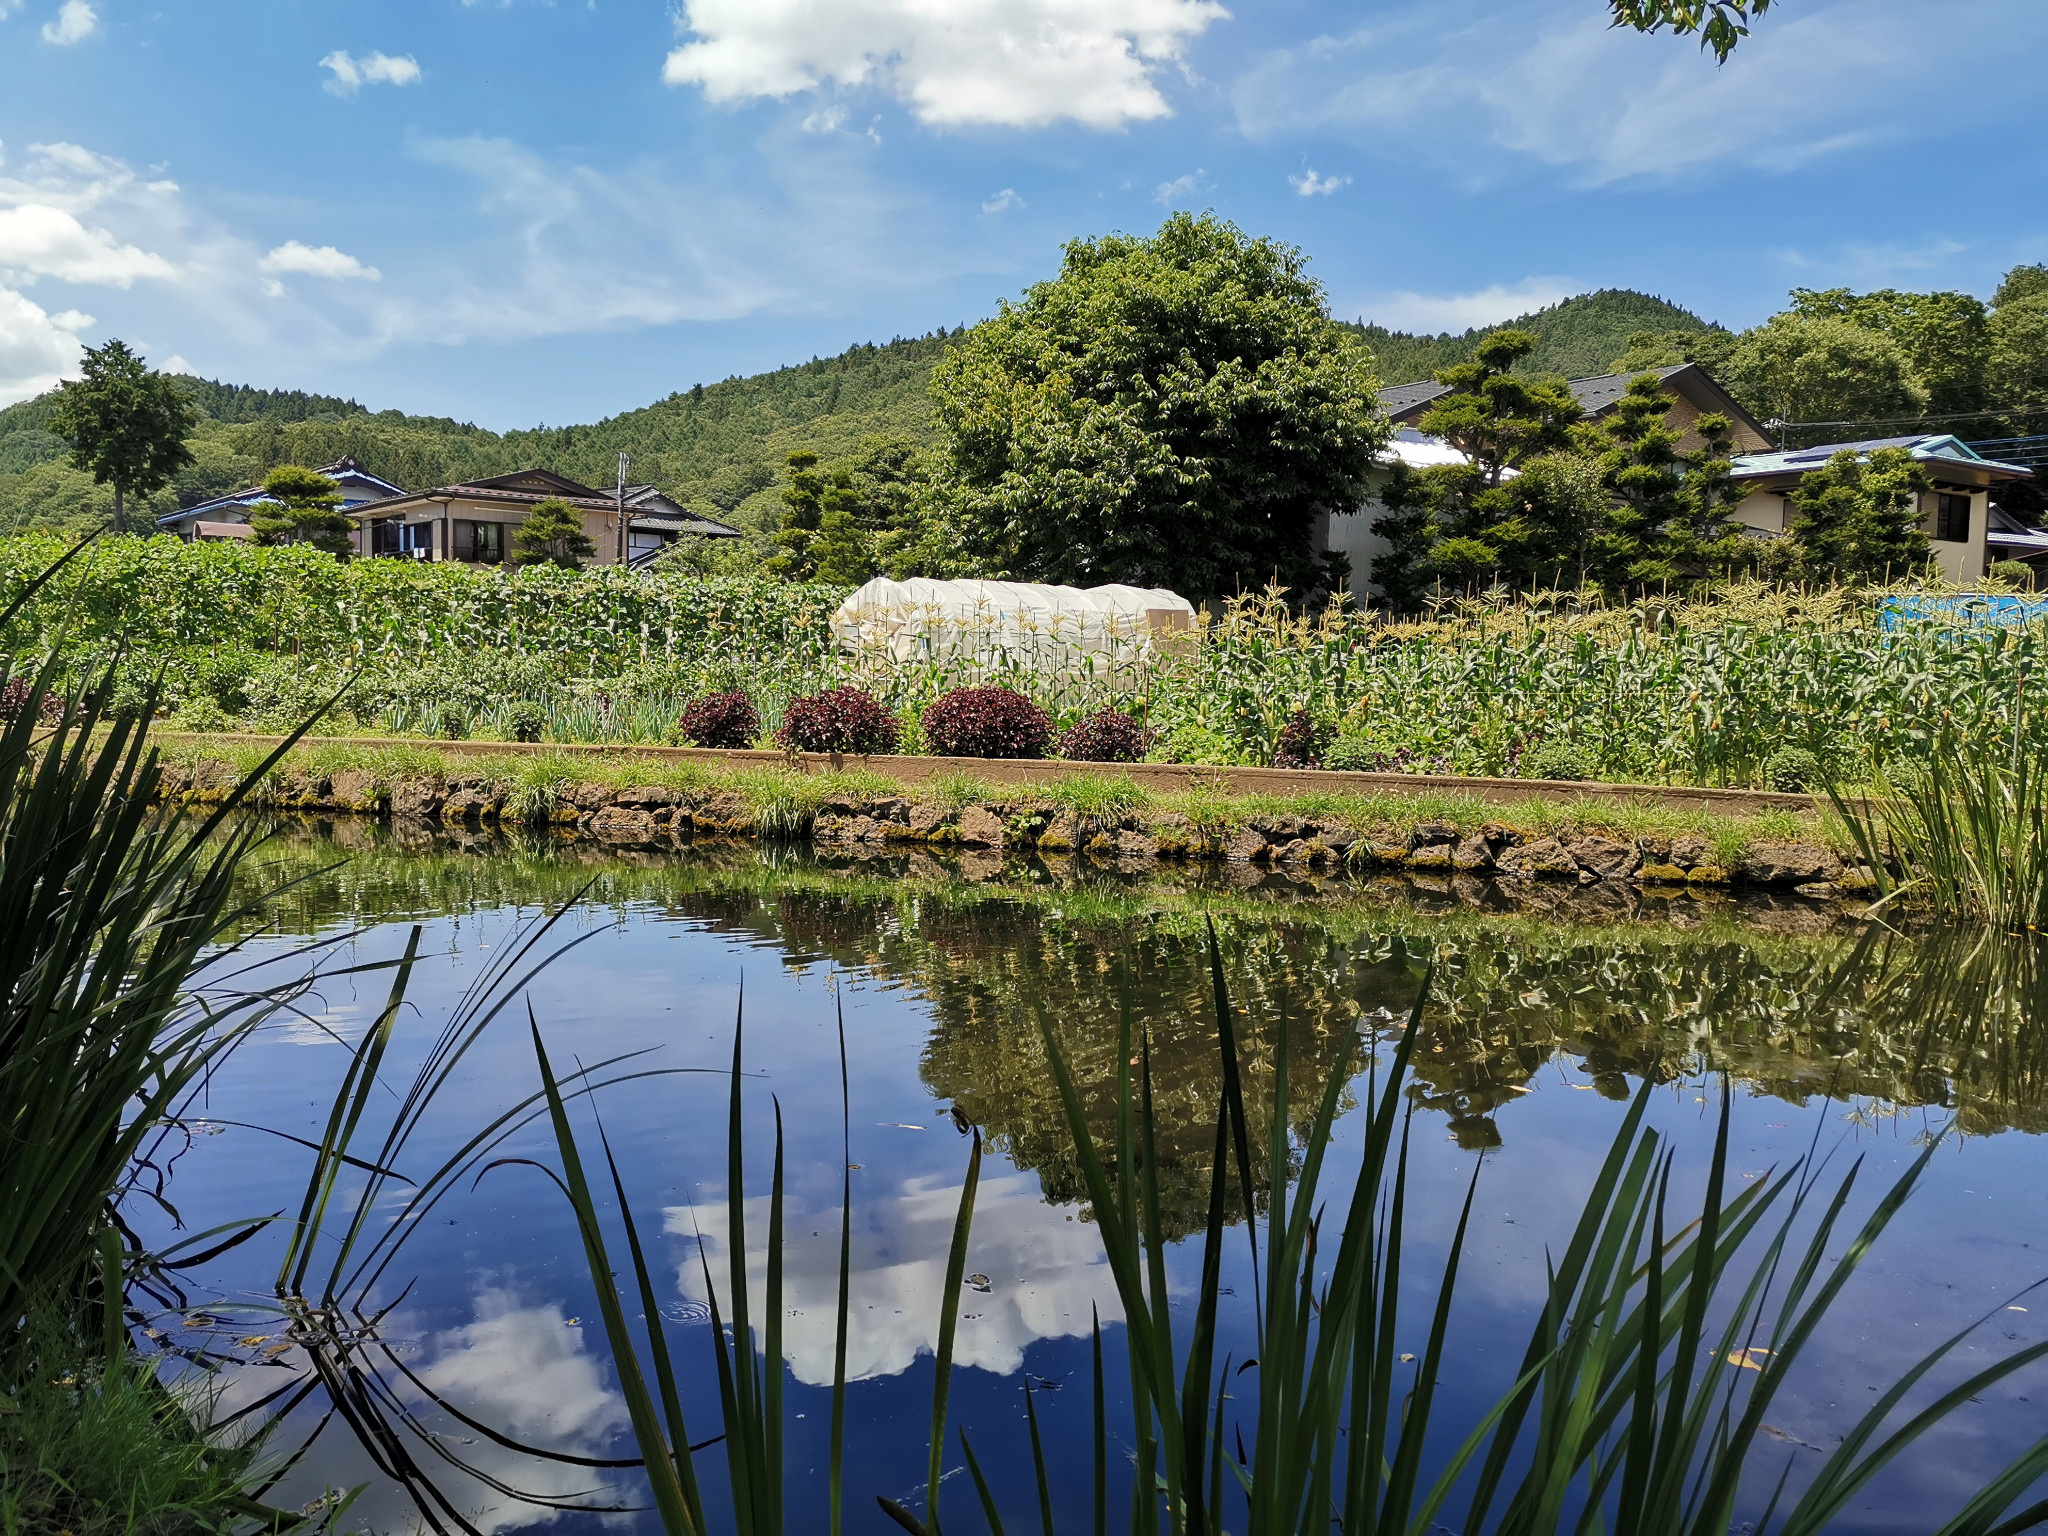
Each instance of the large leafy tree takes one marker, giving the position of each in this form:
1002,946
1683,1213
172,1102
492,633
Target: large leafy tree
1857,519
1802,368
2016,372
1175,410
126,424
552,535
302,509
1943,335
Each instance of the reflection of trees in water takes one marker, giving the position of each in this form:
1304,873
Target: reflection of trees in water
1950,1019
1944,1019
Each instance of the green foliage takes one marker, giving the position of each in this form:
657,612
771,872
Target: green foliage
301,510
1859,519
1560,759
1721,24
1794,770
109,1451
862,516
1170,411
552,534
2016,369
1797,368
2014,573
1668,349
1574,338
1943,336
1668,518
125,423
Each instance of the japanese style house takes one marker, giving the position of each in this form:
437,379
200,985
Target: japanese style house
473,523
227,517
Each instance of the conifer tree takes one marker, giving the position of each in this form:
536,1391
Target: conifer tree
1859,520
301,510
552,535
126,424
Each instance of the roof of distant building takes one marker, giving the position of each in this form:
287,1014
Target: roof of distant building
1931,448
1405,403
652,509
358,486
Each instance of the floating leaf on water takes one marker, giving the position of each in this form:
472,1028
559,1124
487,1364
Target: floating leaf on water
978,1282
1406,1358
2015,1309
1751,1359
898,1125
250,1341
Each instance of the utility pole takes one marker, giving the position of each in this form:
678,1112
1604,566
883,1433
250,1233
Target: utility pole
624,545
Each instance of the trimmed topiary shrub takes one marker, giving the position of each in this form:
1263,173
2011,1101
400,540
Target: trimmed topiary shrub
2015,572
838,720
986,722
1559,760
1794,770
450,722
720,720
1302,740
1107,736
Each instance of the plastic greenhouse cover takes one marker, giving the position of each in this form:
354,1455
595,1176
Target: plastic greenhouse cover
1006,624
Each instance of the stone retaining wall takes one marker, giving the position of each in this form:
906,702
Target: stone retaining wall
654,816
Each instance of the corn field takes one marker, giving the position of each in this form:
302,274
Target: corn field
1708,692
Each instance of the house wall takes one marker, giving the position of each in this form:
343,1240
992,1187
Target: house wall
601,528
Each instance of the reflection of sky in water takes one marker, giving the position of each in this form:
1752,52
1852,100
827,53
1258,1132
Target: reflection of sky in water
1044,1268
497,1275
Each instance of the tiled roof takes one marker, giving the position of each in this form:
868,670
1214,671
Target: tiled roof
1397,399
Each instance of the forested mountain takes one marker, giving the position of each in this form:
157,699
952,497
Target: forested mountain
1578,337
715,444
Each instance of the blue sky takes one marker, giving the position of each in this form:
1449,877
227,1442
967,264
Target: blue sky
515,212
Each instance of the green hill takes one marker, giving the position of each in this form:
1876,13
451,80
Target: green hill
719,446
1577,337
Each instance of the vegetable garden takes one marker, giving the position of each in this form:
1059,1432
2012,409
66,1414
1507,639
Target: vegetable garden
1759,685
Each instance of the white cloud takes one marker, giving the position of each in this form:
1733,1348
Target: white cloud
1005,199
1181,188
37,240
1565,88
827,119
1045,1270
317,261
350,74
36,349
1428,312
1311,183
74,22
1017,63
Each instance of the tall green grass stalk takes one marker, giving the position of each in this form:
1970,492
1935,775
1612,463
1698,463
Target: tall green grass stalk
1964,833
1638,1408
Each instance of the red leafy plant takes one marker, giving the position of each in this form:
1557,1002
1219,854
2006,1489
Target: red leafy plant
986,722
838,720
1303,740
1107,736
720,720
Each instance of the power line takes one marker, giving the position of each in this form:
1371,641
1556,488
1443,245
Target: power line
1888,421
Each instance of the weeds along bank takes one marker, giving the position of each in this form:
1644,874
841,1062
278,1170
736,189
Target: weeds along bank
1764,686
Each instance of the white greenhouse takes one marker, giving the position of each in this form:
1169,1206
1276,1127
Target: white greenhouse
996,627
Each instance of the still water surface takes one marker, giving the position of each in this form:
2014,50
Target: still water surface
466,1381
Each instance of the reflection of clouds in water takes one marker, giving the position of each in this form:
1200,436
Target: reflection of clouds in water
522,1370
1045,1267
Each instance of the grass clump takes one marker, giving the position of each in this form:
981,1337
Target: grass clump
1096,803
95,1450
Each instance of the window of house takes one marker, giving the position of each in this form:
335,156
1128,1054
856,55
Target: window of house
398,539
1951,518
481,542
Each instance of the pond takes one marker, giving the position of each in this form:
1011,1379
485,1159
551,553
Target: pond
459,1371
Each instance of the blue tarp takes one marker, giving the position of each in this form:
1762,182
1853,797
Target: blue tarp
1990,611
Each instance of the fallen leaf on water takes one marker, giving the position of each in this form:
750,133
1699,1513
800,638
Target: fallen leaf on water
1790,1439
979,1282
279,1349
1751,1359
1583,1087
899,1125
1518,1088
1407,1357
252,1340
2015,1309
